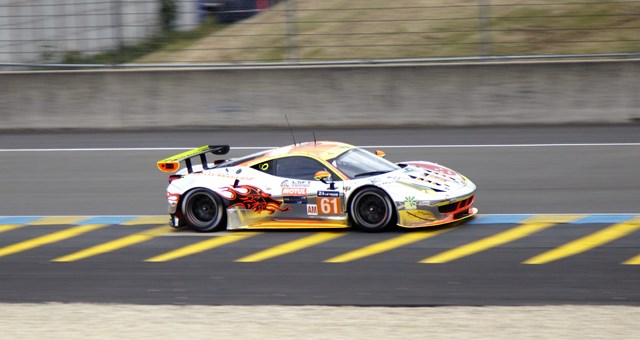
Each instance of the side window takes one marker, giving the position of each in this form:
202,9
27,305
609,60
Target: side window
268,167
299,167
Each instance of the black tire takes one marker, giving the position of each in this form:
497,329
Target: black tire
371,210
203,210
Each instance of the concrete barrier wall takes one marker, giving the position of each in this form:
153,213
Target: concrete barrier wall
461,94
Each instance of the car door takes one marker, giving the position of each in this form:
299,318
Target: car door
308,198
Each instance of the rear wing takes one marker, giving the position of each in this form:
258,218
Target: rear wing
172,164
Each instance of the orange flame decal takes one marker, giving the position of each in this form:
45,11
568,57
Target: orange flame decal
250,197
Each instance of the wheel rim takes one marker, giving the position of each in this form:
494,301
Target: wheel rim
372,211
203,210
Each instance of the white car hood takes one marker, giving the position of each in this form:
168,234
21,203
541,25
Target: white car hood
438,178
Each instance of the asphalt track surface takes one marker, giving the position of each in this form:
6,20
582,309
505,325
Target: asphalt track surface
566,173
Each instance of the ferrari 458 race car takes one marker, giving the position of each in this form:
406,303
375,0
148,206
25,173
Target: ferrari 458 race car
312,185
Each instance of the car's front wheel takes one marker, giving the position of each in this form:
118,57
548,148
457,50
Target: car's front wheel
203,210
371,210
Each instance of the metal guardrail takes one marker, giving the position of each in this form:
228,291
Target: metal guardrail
480,59
144,33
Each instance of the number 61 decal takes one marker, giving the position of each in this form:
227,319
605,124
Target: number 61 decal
329,203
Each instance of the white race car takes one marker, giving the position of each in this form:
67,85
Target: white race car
312,185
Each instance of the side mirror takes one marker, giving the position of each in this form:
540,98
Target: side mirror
380,153
322,176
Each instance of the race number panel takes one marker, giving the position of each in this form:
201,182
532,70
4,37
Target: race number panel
329,203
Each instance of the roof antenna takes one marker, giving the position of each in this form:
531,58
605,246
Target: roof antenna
290,129
315,142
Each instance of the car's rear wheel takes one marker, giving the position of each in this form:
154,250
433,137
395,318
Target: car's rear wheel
203,210
371,210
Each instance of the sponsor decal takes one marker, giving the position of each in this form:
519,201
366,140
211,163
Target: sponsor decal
385,180
443,170
424,203
325,193
410,202
295,199
294,191
294,195
433,167
312,209
329,202
295,183
250,197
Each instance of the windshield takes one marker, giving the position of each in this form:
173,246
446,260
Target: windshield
360,163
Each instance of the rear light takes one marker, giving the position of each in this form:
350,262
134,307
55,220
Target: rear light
174,177
173,199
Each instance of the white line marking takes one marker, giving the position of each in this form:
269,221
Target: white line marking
499,145
127,149
363,146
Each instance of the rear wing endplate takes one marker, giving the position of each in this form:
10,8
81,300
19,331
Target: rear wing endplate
172,164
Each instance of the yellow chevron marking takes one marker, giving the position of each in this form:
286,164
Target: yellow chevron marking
114,245
58,220
164,220
290,247
634,260
49,238
200,247
381,247
583,244
528,227
8,227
